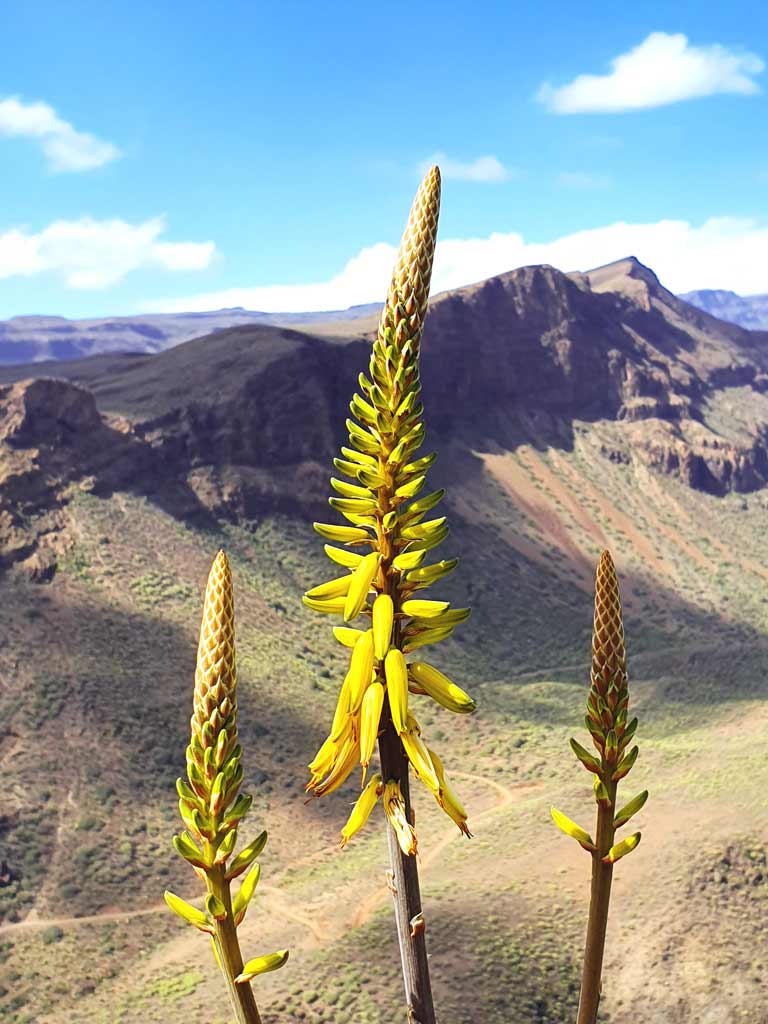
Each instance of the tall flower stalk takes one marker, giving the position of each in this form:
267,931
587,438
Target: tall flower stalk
606,720
212,806
384,551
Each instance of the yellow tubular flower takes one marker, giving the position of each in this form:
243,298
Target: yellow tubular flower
361,812
342,711
346,759
359,585
397,688
440,688
381,491
369,722
383,620
447,797
360,669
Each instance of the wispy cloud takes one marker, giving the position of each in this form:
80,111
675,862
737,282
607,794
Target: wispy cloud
584,179
483,169
65,148
665,68
723,252
95,254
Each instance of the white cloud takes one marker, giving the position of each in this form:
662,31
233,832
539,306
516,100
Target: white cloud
483,169
365,278
65,148
723,252
583,179
93,254
664,68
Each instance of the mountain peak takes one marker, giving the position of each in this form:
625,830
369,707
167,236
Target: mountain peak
610,276
628,277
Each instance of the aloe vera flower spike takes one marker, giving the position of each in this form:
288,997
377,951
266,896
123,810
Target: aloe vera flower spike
211,805
606,720
384,552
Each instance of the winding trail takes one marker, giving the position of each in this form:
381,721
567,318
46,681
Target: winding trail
158,908
320,933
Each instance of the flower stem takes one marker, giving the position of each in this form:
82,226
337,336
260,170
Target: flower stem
405,883
602,876
228,950
394,765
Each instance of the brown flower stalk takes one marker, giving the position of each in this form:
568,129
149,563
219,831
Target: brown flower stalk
387,512
211,805
606,720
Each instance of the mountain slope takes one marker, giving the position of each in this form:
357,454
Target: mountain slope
559,405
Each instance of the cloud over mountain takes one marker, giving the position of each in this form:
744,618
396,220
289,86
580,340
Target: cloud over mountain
90,253
725,252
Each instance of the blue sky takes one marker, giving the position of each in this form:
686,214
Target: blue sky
192,155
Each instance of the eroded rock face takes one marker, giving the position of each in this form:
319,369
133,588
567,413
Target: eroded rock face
716,470
612,344
47,412
52,437
51,434
284,413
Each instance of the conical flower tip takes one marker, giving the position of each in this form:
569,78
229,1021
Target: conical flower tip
609,660
413,269
215,675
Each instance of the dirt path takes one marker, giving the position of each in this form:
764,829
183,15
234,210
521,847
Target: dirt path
30,923
319,933
59,850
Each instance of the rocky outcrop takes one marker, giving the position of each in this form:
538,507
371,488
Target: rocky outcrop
52,437
49,413
714,466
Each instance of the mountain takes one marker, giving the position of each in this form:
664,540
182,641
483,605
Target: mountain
36,339
570,413
746,310
519,357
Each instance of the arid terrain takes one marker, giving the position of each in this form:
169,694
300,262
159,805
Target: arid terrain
571,413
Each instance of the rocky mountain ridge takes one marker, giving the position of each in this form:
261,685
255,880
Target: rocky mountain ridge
248,419
749,311
36,339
